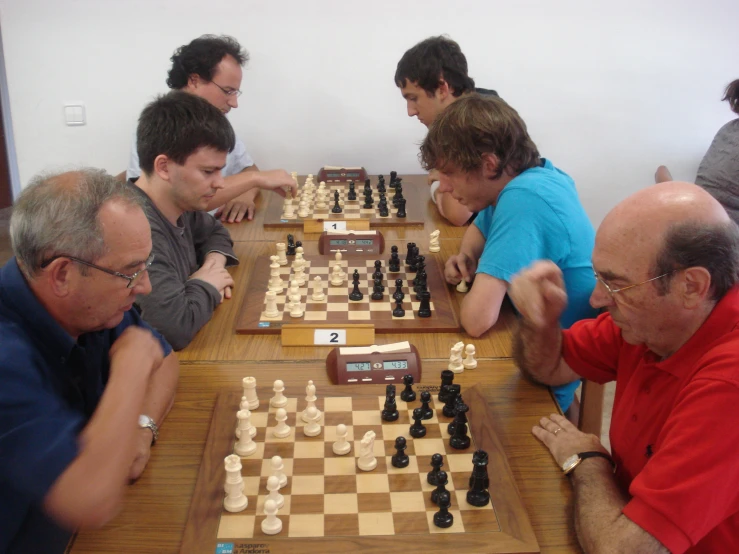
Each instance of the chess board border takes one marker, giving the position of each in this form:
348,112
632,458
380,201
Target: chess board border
443,320
413,194
516,534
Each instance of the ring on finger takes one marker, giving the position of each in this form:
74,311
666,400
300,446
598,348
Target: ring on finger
557,430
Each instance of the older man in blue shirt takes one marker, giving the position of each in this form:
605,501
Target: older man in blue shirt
84,380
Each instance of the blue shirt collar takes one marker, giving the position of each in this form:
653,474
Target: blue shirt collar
18,296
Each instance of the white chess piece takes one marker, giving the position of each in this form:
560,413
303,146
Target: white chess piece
273,486
288,209
282,429
299,275
455,358
299,259
249,385
462,286
275,281
270,310
246,425
469,360
276,467
272,524
281,253
245,445
434,242
303,209
337,259
235,500
367,460
312,428
296,309
341,446
278,400
318,294
310,398
337,276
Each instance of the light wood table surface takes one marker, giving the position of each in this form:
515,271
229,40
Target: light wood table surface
156,507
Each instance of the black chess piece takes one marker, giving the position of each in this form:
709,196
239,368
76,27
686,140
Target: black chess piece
377,290
420,267
408,394
398,196
367,187
378,270
447,378
444,518
380,179
410,253
418,429
398,294
460,440
413,264
401,213
381,187
451,401
437,462
378,283
394,263
352,195
441,481
424,310
290,246
421,288
367,183
400,458
393,176
382,208
368,202
355,294
478,494
336,209
390,412
426,410
459,417
398,311
298,244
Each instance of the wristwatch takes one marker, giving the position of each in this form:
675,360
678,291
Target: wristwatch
576,459
145,422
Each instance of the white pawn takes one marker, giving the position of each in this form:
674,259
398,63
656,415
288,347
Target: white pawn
337,276
469,360
272,524
245,445
296,309
281,253
276,467
278,400
310,398
250,391
288,210
270,309
273,486
312,428
367,460
462,286
434,242
299,259
246,425
235,500
337,259
303,209
341,446
282,429
318,294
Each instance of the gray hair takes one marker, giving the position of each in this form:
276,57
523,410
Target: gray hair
57,215
713,246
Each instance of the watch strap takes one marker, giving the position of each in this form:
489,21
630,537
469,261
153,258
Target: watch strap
590,454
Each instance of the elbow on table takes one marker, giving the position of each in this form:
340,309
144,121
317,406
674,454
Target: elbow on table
476,325
87,511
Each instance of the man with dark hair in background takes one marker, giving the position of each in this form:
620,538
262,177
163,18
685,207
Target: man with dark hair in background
431,76
528,210
211,67
667,265
183,141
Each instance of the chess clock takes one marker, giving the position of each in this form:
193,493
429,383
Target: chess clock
385,364
351,242
336,174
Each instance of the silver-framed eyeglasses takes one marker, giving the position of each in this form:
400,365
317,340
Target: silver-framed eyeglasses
228,91
613,291
132,279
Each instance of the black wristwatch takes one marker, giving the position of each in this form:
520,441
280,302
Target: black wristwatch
576,459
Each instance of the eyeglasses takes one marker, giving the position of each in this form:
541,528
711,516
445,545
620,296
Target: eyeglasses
228,91
132,279
613,291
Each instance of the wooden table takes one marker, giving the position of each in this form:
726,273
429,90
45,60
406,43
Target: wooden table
156,507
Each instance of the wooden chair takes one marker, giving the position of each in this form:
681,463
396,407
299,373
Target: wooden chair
591,408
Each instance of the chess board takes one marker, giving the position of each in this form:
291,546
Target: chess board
353,208
337,308
331,506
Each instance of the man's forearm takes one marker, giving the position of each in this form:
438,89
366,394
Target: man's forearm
537,351
161,391
473,243
235,185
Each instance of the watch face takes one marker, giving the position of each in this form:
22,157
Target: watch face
144,420
569,462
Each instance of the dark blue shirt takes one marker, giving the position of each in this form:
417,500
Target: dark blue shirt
50,385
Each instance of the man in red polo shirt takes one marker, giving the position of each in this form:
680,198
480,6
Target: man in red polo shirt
667,265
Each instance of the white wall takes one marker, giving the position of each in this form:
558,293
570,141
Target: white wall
609,90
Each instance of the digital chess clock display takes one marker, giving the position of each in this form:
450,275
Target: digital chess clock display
386,365
358,366
344,174
364,242
395,364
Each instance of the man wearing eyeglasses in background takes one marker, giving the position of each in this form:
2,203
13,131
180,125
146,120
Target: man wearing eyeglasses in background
84,382
210,67
667,267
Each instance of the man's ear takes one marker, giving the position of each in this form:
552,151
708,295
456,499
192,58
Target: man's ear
193,81
490,164
161,166
695,286
443,91
59,275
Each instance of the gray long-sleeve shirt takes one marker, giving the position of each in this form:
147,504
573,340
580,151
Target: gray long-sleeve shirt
718,173
179,306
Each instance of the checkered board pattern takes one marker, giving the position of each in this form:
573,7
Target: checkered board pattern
327,497
337,308
352,208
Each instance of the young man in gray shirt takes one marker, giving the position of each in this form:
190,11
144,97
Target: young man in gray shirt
182,143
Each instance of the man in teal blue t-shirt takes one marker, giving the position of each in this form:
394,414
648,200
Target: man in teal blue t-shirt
528,210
